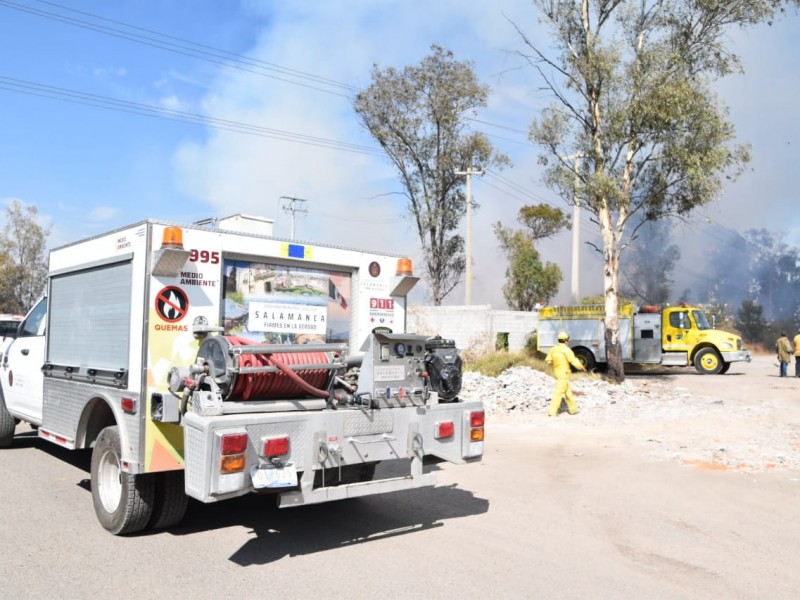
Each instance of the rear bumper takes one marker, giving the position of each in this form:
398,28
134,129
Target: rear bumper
328,440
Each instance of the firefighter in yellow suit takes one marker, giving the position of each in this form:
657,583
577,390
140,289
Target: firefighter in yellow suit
561,357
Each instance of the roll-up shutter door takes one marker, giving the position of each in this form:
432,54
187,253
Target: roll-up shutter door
90,314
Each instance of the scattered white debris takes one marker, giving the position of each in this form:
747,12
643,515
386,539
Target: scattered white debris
706,432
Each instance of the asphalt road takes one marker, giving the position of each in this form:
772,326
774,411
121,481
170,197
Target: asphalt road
545,515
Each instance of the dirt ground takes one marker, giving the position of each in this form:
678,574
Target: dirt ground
747,420
686,487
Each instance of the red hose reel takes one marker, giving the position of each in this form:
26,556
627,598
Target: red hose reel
233,371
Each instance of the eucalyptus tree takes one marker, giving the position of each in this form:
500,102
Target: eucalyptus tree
631,86
419,116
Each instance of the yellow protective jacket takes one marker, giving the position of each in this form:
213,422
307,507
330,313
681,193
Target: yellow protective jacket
797,345
784,349
561,357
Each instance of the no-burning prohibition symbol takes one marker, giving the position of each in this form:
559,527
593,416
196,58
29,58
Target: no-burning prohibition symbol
172,303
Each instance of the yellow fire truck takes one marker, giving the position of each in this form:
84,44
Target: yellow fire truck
674,336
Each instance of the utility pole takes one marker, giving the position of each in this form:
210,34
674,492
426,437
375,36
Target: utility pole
576,221
292,208
468,275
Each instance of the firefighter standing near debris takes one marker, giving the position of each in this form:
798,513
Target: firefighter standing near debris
561,357
784,349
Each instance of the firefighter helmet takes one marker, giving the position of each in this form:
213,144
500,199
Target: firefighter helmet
563,336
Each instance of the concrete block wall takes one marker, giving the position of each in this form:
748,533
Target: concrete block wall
474,327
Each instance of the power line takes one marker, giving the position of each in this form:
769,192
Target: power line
498,126
107,102
189,48
515,186
506,192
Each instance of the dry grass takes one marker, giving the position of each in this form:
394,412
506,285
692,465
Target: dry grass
492,364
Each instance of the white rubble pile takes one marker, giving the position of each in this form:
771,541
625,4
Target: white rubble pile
706,432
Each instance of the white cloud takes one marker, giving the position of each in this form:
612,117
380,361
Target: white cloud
108,72
172,102
101,214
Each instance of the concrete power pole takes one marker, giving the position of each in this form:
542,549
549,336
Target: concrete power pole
291,207
576,220
468,275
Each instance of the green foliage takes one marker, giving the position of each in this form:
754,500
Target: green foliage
528,280
750,322
543,221
501,343
23,262
532,343
418,117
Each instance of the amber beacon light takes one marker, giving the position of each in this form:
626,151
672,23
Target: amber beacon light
172,238
404,266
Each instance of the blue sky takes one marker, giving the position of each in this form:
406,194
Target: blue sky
89,169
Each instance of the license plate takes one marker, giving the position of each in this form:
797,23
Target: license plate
273,477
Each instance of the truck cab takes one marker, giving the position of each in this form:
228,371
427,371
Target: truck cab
686,331
22,384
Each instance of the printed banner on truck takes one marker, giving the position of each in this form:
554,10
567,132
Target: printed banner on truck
276,304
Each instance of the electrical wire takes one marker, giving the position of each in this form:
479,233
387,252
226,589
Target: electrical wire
189,48
107,102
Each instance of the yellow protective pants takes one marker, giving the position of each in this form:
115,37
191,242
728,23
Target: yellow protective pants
562,390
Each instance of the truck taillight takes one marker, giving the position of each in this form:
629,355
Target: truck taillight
476,421
233,443
445,429
276,446
233,447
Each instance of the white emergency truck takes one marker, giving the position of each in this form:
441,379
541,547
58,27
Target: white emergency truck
203,362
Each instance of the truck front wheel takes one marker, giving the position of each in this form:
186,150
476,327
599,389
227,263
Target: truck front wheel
708,362
122,501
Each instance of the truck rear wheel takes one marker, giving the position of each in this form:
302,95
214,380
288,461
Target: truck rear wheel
171,500
7,424
708,362
122,501
586,358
